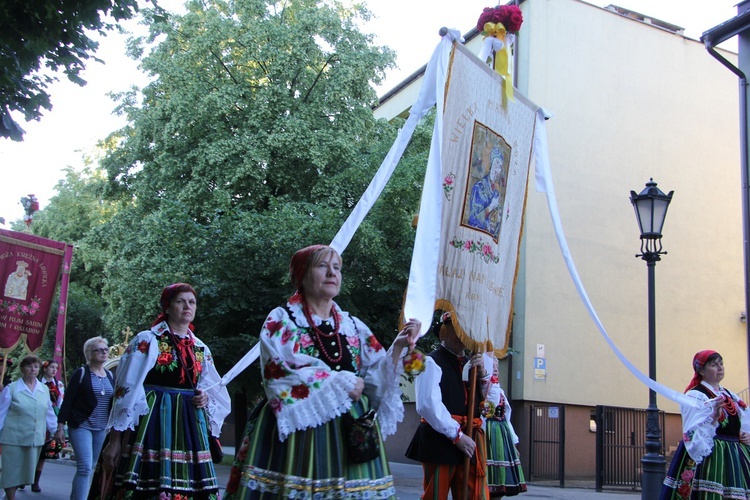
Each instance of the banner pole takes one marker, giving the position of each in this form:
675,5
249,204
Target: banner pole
62,311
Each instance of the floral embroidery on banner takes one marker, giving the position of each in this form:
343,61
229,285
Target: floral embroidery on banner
448,185
21,309
479,247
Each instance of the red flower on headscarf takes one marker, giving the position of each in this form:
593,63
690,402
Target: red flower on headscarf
300,391
742,404
273,370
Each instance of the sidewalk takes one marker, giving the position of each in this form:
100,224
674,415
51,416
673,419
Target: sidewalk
58,474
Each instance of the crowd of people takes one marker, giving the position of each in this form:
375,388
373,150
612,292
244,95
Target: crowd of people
332,396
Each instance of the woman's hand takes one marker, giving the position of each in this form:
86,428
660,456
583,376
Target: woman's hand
718,405
744,438
358,388
200,400
409,335
60,435
111,452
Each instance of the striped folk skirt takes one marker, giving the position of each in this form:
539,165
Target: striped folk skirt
725,473
504,473
167,453
309,464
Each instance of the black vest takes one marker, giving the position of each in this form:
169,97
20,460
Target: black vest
428,445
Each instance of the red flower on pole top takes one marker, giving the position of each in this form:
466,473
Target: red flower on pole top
509,15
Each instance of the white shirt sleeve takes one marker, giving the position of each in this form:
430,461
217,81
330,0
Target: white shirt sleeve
430,400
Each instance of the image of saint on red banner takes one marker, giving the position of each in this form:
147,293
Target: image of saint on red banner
30,269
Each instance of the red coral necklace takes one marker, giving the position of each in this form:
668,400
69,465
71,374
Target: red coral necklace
319,334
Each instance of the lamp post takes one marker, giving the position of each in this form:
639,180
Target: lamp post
650,210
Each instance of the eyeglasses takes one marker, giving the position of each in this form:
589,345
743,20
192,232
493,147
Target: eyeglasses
101,350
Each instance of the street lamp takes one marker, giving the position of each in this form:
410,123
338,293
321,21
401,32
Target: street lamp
650,210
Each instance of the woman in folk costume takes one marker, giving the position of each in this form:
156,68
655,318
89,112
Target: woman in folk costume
321,367
167,401
504,473
713,458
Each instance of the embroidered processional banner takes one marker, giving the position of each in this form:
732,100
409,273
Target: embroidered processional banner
30,269
486,151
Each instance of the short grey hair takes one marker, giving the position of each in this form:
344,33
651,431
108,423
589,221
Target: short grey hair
90,345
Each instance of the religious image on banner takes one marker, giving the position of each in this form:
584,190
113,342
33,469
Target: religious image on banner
30,269
486,152
488,174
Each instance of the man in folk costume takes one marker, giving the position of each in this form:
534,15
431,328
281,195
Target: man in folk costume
440,442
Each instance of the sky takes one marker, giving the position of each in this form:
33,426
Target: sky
81,116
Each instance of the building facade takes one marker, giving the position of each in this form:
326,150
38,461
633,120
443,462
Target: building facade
632,99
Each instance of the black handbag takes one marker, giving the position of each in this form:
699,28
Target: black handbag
361,434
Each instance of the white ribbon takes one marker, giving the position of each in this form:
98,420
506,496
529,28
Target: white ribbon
544,184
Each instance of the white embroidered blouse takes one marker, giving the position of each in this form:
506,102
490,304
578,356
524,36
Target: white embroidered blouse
697,426
305,392
140,357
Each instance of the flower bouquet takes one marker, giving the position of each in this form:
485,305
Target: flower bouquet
499,26
414,363
509,16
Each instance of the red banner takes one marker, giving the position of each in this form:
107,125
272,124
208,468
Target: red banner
30,269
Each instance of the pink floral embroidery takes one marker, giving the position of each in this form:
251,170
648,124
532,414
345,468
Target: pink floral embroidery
353,341
305,340
321,374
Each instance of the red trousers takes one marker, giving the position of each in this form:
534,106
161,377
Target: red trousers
440,479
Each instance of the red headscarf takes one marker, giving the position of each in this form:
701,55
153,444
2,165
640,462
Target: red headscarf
298,267
699,361
169,293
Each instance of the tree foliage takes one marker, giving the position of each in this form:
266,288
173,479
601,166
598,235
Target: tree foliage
51,34
254,138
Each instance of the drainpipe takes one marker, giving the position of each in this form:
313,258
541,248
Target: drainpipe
738,26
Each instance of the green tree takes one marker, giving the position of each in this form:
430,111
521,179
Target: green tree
51,34
255,138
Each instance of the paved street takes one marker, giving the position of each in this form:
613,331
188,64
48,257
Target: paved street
58,474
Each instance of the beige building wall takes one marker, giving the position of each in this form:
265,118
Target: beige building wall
631,101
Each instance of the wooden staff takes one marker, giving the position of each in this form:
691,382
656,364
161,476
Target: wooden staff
470,427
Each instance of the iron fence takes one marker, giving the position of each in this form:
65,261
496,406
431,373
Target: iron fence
547,446
620,446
